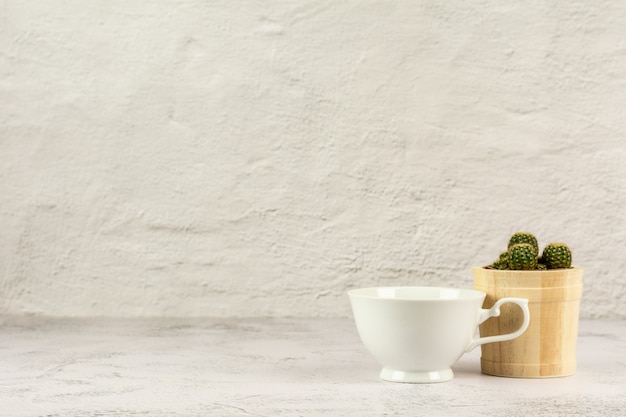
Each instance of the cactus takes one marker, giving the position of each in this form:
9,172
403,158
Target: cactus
522,256
502,262
557,255
524,237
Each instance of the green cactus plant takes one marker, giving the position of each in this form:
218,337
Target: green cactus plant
524,237
522,256
557,255
502,262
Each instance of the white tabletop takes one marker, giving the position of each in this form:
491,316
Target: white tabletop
291,367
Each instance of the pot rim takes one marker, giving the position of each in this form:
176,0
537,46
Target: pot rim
571,268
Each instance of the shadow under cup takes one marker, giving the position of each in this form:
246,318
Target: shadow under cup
418,333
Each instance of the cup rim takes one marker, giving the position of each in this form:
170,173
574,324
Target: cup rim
373,293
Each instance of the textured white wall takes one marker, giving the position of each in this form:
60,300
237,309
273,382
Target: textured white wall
260,158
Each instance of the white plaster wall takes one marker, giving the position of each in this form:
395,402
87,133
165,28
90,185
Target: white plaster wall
226,158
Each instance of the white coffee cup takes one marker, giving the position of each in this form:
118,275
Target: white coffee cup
418,333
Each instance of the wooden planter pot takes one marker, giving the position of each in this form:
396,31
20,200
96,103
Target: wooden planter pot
548,347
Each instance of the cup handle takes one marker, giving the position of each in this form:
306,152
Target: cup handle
495,312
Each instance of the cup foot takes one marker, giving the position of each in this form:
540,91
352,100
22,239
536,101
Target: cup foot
415,377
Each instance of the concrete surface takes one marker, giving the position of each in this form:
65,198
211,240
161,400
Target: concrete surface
219,158
292,367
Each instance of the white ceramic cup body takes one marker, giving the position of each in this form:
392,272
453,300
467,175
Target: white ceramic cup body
418,333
